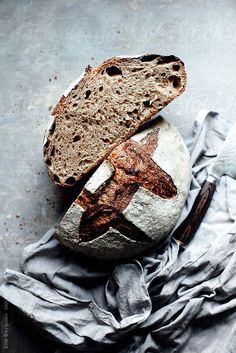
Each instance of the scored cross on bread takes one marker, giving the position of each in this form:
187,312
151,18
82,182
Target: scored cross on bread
133,167
133,199
106,107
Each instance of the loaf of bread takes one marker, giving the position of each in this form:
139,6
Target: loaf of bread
104,107
134,198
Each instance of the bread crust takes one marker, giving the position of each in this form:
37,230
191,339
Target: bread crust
133,167
138,204
91,72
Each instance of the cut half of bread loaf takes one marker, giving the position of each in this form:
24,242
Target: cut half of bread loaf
104,108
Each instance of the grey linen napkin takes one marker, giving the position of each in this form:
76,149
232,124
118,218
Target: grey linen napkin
165,300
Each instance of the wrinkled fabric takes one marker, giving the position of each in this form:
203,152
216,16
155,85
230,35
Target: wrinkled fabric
166,300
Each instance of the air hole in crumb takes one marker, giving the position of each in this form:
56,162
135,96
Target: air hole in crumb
53,152
117,92
148,75
71,180
75,174
76,138
75,104
176,67
86,160
128,123
135,111
167,59
175,81
87,94
74,96
113,71
67,117
149,57
56,178
48,161
137,69
105,139
147,104
101,88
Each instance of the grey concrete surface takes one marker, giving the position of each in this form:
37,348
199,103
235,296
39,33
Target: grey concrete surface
45,44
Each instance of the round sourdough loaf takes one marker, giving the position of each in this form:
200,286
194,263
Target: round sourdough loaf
134,198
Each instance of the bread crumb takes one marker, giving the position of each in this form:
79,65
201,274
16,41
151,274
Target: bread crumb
50,80
50,107
17,215
55,77
128,113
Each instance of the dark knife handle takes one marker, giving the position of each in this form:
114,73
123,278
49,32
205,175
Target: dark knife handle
184,233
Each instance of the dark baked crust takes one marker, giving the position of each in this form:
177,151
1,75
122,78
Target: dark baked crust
133,168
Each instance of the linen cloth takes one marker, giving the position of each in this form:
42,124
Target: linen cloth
165,300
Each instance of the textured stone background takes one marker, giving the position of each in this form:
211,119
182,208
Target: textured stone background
45,44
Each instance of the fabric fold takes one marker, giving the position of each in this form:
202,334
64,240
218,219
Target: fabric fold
164,300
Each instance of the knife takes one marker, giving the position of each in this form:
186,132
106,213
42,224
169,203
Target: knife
224,164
